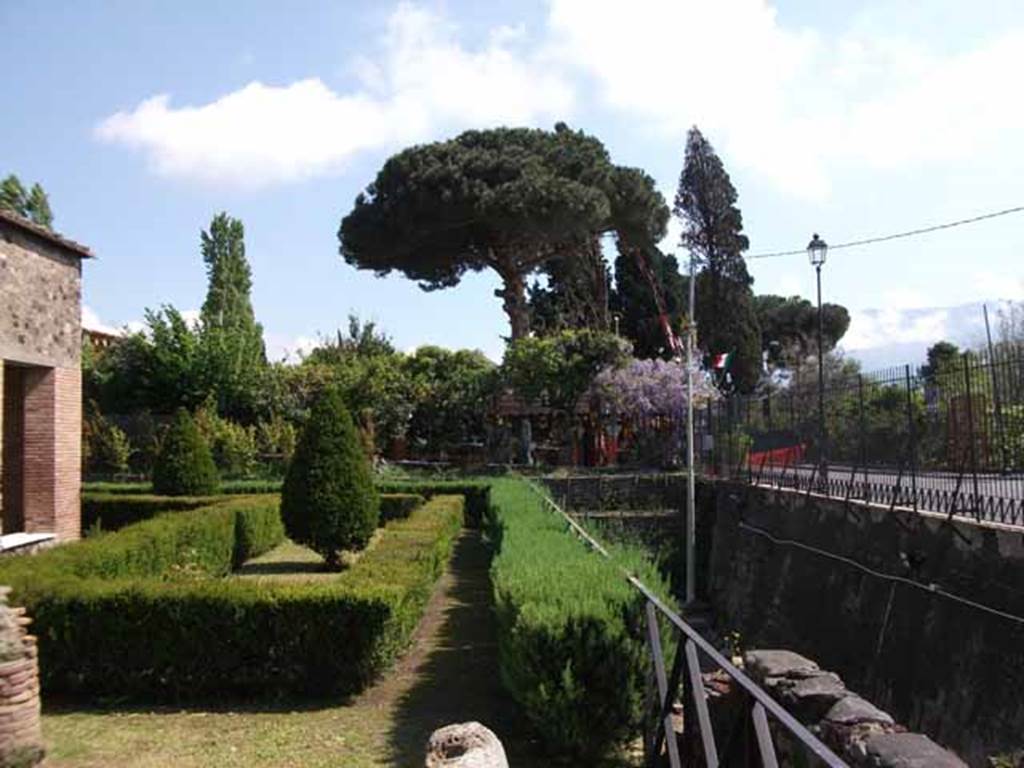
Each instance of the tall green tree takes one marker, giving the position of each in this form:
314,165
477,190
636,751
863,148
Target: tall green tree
507,199
33,204
577,294
634,302
234,357
713,232
789,327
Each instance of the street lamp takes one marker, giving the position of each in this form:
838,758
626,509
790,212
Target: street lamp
817,250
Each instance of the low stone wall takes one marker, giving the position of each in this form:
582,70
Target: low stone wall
856,730
918,613
21,741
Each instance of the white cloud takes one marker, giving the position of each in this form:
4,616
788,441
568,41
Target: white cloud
789,103
427,82
875,328
91,321
291,349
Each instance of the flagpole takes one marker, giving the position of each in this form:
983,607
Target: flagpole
691,509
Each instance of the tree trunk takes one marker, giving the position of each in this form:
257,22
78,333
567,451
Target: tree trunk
514,301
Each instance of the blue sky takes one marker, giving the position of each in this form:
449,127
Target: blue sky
143,119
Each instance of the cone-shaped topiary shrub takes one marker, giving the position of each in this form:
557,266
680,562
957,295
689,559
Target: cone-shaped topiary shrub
184,465
329,502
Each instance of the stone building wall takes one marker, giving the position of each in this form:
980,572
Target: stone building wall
40,378
40,315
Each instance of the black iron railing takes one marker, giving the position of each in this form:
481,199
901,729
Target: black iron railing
684,683
947,439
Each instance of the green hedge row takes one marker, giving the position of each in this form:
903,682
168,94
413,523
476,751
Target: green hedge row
398,506
146,614
106,512
570,627
477,494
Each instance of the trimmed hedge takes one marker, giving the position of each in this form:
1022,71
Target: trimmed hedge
184,465
137,613
329,501
398,506
477,494
570,627
112,511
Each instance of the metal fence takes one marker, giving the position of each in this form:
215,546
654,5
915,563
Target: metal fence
949,440
683,682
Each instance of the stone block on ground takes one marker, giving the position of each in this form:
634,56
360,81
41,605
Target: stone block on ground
907,750
764,664
465,745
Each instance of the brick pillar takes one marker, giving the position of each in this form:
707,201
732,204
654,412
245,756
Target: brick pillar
52,451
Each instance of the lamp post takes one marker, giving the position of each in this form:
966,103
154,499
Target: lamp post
817,250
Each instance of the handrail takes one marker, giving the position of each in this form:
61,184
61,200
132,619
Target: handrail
758,694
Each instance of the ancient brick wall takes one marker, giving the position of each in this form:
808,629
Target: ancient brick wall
865,592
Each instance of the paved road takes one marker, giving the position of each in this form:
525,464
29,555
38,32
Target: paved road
997,497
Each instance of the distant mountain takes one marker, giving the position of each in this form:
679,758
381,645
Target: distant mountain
880,338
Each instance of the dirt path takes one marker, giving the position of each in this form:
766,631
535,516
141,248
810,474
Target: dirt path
450,674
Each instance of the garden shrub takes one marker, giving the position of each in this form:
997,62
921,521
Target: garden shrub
115,615
184,465
329,502
106,511
571,646
476,492
398,506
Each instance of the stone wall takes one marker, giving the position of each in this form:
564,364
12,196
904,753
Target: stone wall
863,591
852,727
41,291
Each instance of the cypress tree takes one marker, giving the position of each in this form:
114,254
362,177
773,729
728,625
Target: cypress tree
232,340
713,232
184,465
329,501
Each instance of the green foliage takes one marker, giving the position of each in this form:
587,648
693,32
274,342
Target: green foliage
135,614
106,511
33,205
184,466
577,291
477,494
232,445
570,632
277,437
105,447
713,232
558,369
329,502
508,199
635,303
943,361
369,374
450,396
789,327
232,341
398,506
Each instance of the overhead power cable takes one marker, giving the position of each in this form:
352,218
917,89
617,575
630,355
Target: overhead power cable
896,236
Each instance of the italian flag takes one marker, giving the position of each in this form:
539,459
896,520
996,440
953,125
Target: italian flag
721,361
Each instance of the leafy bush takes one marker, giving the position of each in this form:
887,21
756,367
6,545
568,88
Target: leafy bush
232,445
329,502
105,447
184,465
398,506
569,626
115,618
